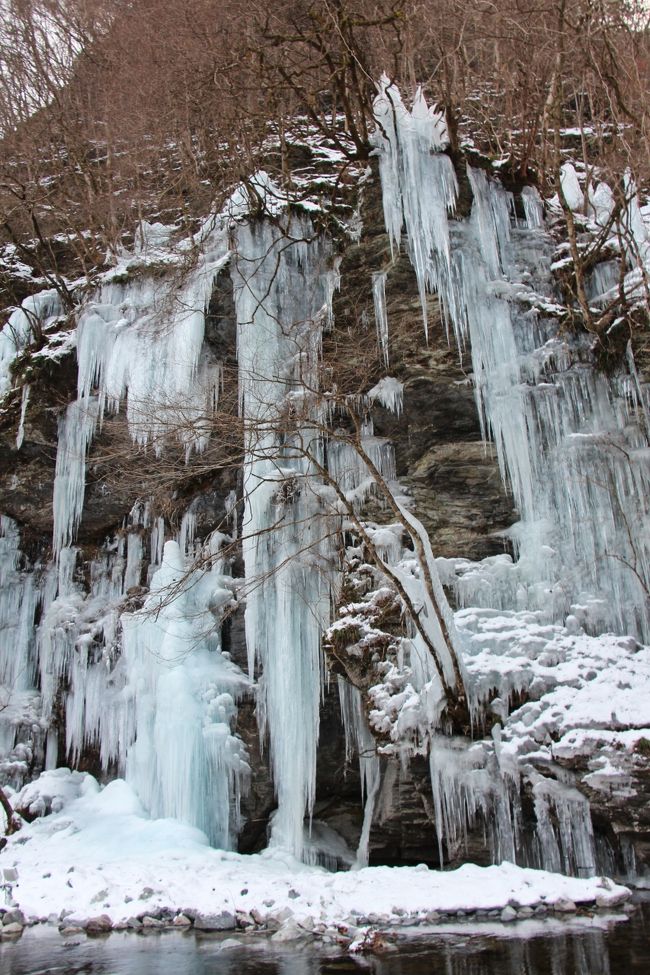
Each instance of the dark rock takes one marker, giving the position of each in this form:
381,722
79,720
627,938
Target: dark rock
98,925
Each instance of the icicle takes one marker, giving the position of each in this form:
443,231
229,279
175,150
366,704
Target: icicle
381,318
533,207
76,430
390,393
418,182
20,436
564,832
359,739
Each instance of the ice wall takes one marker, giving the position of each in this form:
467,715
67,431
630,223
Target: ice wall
570,444
149,689
146,690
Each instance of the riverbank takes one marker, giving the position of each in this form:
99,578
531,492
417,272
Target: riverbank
99,864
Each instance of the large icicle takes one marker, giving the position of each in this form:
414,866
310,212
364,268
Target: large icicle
184,761
359,739
281,302
418,182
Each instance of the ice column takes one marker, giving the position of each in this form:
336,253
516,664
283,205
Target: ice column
181,695
281,304
359,739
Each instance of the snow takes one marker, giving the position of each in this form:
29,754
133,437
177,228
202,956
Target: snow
571,188
37,313
101,855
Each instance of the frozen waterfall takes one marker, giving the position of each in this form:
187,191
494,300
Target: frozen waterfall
569,443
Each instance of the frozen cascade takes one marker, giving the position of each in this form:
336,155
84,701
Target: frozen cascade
141,341
575,459
182,694
359,739
280,288
564,832
150,689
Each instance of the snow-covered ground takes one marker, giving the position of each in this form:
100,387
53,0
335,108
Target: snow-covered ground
101,855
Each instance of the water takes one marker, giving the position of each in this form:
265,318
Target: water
581,946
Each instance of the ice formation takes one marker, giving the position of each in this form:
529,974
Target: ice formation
124,654
567,443
280,302
141,341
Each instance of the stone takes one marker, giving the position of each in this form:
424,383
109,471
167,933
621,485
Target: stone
508,914
134,923
11,929
225,921
14,917
244,919
181,921
151,922
98,925
525,912
607,899
67,929
290,931
565,906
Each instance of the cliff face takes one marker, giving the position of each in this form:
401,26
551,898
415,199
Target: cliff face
83,659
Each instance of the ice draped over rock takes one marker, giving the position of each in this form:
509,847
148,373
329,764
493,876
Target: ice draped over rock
140,342
568,441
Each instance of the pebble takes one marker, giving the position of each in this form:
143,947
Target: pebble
508,914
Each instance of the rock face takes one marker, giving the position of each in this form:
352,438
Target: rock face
439,450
